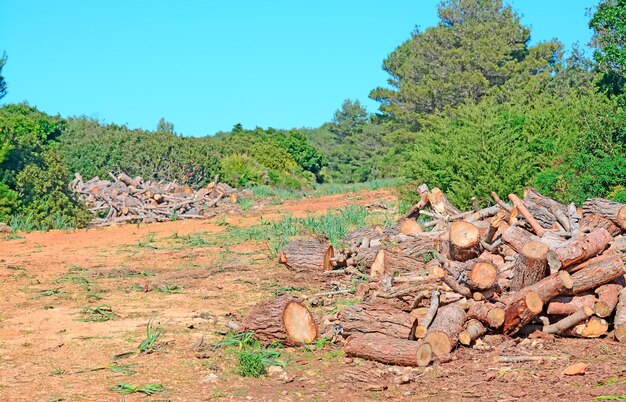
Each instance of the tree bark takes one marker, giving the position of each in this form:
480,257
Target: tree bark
464,241
386,349
589,223
596,274
284,320
422,328
608,296
474,329
410,227
491,314
619,322
522,307
516,238
531,265
390,262
376,317
566,305
526,214
544,209
307,256
578,251
423,244
569,321
614,211
443,334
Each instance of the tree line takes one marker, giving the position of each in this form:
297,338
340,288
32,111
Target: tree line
470,106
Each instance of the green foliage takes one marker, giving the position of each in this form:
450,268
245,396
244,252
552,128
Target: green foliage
609,27
148,389
3,84
250,364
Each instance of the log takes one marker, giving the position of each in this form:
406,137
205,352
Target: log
589,223
410,227
608,296
566,305
464,241
443,334
451,282
482,275
389,262
474,329
489,313
569,321
440,204
593,328
526,214
419,246
619,322
284,320
598,271
531,265
545,209
578,251
516,237
414,211
376,317
613,211
521,310
386,349
126,179
420,330
307,256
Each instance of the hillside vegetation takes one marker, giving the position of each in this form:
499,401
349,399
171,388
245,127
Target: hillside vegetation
470,106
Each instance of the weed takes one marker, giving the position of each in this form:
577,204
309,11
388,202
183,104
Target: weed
152,334
240,340
245,203
610,398
149,389
343,304
16,268
286,289
250,364
56,372
48,292
134,288
75,268
12,237
610,381
147,241
167,288
73,279
114,367
222,220
97,314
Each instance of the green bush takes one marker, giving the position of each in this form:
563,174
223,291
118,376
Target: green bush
250,363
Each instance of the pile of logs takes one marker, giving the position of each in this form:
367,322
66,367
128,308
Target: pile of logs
441,277
126,199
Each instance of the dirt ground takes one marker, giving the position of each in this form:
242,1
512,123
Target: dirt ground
48,354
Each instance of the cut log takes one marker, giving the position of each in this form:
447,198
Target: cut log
410,227
619,322
489,313
531,265
284,320
566,305
451,282
307,256
415,209
598,271
390,262
578,251
440,204
363,258
521,310
516,237
389,350
589,223
126,179
613,211
569,321
545,210
376,317
419,246
593,328
474,329
464,241
443,334
608,296
482,275
538,229
420,330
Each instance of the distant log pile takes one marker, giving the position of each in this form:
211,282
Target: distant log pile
531,265
127,199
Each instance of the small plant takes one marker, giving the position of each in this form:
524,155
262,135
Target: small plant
250,364
152,334
240,340
286,289
245,203
97,314
149,389
610,398
146,242
48,292
73,279
167,288
114,367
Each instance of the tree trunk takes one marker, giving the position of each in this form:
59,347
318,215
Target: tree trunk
569,321
464,241
531,265
597,274
376,317
578,251
608,296
389,262
619,323
284,320
613,211
491,314
443,334
388,350
516,238
566,305
544,209
522,307
474,329
589,223
307,256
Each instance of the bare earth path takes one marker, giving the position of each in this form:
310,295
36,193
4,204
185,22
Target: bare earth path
48,354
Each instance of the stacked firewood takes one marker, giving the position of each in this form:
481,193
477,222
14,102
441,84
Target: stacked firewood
531,267
127,199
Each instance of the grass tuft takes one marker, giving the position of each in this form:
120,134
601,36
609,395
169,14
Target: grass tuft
148,389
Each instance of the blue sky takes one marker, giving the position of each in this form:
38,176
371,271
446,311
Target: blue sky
207,65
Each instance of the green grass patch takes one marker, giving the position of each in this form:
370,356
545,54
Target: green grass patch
148,389
168,288
97,314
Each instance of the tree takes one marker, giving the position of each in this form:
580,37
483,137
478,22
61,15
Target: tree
478,45
165,126
609,39
3,84
349,120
